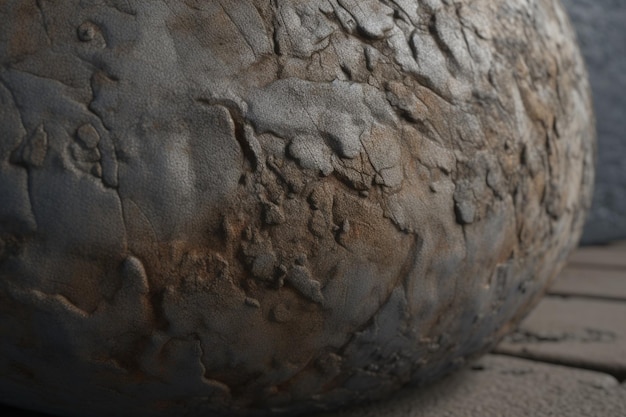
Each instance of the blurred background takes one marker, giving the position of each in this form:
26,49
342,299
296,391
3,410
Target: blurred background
601,29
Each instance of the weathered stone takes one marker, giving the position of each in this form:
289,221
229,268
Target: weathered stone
495,386
237,206
576,332
591,282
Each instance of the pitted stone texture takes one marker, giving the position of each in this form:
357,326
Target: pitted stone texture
237,206
495,386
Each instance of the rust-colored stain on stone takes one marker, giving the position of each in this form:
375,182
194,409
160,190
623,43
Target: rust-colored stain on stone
242,206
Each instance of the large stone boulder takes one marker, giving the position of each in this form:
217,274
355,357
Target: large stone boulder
239,206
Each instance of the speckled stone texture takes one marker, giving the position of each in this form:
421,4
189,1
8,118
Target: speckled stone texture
227,206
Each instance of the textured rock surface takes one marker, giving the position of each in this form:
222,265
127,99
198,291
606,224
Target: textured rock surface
242,205
495,386
604,48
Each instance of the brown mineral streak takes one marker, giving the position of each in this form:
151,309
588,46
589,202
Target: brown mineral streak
259,205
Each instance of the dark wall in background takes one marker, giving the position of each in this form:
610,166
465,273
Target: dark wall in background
601,27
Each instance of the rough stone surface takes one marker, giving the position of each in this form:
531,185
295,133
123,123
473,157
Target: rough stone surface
602,33
237,206
576,332
591,282
495,386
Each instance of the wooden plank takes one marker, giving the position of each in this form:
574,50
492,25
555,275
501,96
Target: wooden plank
610,256
586,281
576,332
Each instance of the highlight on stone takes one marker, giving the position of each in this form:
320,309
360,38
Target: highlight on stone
240,207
